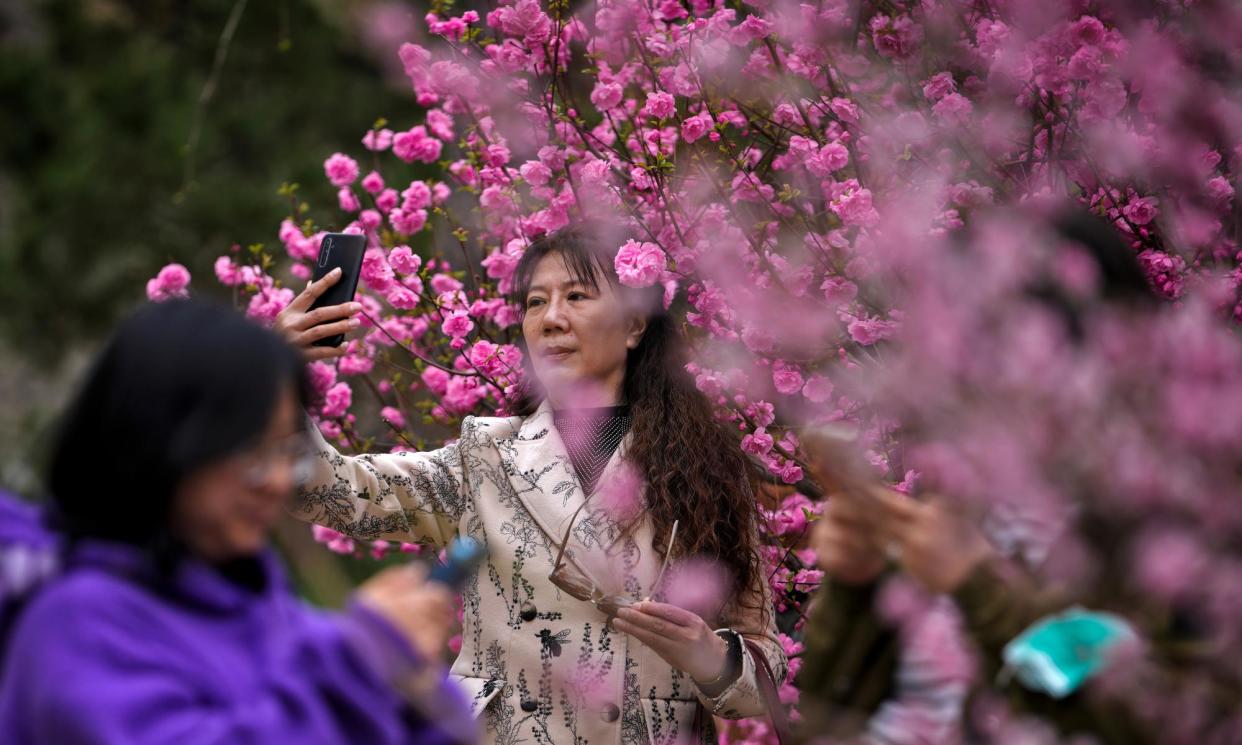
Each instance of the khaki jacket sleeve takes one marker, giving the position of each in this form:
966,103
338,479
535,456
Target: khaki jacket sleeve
412,497
850,659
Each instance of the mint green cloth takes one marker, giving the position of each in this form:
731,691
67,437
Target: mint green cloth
1058,653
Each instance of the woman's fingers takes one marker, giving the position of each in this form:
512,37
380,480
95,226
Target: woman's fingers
642,634
326,314
306,298
646,622
668,612
325,330
312,354
895,507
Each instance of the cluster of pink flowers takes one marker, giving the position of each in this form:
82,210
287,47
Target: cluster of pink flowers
798,176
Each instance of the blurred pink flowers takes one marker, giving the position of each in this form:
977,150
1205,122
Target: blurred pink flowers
172,281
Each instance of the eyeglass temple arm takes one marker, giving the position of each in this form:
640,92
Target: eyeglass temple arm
672,536
565,541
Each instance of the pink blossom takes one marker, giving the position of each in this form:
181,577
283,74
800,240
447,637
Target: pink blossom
535,173
854,207
335,542
436,380
337,400
405,261
758,443
895,37
393,417
500,264
386,200
457,325
402,298
606,96
1088,30
696,126
639,264
341,169
347,201
620,494
838,290
830,158
868,331
228,273
660,105
939,85
790,472
443,283
753,29
172,281
525,19
1169,563
416,144
953,107
407,223
377,140
376,273
322,376
818,389
268,303
355,364
697,585
373,182
786,378
463,393
1141,211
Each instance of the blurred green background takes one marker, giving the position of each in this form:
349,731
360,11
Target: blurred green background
137,133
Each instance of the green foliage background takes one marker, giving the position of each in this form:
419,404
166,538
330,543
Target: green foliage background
98,189
100,99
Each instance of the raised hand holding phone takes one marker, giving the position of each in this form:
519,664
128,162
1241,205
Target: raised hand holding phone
317,320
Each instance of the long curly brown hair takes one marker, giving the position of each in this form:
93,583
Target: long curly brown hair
694,470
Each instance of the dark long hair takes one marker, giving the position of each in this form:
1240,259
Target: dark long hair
694,470
180,385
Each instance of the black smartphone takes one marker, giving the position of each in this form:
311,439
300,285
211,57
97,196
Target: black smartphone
343,250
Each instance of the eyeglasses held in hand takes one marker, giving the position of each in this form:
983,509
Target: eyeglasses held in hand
565,576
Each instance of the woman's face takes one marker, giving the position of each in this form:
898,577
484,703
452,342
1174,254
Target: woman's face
578,336
226,510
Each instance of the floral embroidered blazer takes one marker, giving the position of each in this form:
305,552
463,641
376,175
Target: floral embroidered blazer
541,667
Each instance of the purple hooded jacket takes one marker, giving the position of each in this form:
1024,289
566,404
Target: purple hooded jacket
98,655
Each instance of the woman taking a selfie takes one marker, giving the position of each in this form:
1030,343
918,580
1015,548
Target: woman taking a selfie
561,643
169,621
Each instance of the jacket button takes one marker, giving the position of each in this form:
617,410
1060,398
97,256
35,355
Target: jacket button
529,705
528,612
611,713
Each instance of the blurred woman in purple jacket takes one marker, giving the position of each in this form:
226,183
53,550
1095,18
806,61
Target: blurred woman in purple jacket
170,621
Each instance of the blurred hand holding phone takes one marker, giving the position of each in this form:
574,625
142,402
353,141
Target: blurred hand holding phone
837,462
847,538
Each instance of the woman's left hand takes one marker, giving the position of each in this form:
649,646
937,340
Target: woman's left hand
680,637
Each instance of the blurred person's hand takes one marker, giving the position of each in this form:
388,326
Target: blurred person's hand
421,611
933,542
300,327
842,541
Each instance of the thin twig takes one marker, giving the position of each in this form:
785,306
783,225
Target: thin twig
209,90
